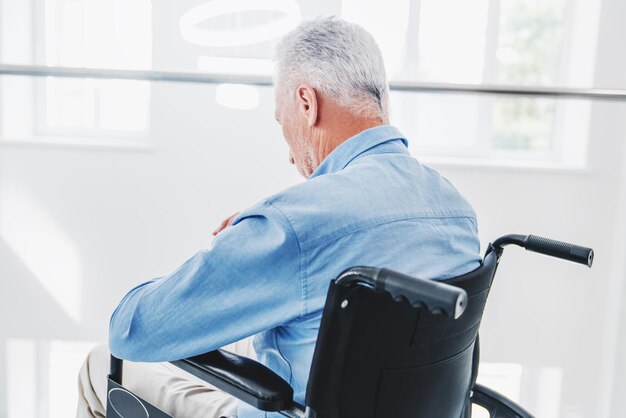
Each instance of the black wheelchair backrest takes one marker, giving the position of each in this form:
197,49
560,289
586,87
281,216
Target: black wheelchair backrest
377,355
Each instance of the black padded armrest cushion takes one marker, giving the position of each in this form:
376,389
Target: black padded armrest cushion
241,377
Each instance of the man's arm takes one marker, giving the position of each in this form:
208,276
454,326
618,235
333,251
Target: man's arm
248,282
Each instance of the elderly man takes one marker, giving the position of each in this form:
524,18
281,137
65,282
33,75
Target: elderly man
366,201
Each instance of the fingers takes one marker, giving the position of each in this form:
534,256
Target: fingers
230,219
225,223
219,228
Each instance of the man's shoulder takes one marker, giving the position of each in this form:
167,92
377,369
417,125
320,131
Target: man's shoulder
365,195
403,184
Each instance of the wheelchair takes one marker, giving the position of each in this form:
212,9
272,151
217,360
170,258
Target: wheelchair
389,346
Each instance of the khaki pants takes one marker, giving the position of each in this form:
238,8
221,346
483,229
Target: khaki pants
164,385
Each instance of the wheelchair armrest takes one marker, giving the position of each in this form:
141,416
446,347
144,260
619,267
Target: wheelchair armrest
499,406
241,377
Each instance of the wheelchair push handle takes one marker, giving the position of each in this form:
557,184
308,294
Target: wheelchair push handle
553,248
437,297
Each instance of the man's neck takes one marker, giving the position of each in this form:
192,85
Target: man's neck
337,124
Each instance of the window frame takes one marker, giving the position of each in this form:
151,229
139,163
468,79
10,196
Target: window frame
40,132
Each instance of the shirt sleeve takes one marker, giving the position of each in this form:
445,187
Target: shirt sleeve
250,281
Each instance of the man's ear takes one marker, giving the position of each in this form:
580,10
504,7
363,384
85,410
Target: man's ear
307,103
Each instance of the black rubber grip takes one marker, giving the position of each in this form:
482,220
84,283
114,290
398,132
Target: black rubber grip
436,296
559,249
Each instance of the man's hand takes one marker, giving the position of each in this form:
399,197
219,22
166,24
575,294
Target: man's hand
226,222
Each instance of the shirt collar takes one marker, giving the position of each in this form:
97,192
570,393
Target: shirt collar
352,147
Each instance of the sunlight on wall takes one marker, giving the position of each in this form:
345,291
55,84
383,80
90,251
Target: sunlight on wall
22,373
42,245
43,377
64,361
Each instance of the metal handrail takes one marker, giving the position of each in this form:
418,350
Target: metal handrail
216,78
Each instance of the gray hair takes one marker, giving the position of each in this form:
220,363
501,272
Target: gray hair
340,59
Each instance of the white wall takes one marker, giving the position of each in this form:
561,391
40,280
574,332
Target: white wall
611,71
110,218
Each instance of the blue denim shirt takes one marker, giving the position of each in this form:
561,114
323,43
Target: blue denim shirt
368,203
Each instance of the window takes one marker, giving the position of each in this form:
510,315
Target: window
80,33
527,42
97,34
